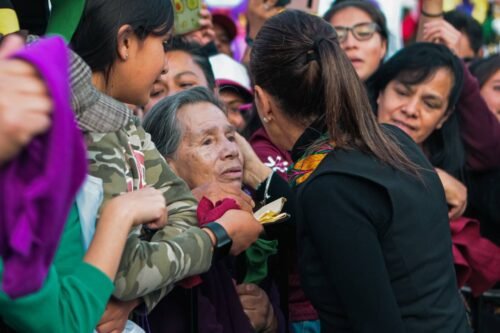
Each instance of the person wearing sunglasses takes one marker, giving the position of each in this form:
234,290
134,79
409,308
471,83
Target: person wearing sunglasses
362,34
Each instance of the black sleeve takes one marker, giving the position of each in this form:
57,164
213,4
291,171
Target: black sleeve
278,187
344,216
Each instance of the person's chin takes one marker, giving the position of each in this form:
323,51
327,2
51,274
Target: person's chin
231,180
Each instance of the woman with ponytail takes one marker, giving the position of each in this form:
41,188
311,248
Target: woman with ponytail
373,234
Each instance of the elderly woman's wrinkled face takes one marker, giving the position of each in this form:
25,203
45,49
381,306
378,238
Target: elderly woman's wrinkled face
208,150
416,109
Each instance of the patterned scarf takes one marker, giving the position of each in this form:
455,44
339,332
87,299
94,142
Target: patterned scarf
300,171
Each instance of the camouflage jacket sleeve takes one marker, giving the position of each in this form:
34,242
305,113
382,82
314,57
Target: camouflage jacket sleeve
127,160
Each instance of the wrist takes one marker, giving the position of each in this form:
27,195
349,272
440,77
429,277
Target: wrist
432,8
210,235
433,14
113,211
222,243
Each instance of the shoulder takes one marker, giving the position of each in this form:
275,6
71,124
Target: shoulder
348,196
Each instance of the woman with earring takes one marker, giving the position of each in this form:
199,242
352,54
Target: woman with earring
374,241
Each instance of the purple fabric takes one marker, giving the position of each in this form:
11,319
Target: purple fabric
38,186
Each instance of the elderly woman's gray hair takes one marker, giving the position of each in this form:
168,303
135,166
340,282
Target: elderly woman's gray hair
161,121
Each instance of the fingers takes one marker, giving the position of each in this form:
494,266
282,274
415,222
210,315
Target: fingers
10,45
245,202
443,32
248,289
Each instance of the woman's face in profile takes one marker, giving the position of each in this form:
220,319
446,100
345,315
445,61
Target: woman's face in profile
417,109
367,53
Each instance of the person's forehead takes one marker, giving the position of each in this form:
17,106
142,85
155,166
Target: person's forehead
350,16
203,117
178,60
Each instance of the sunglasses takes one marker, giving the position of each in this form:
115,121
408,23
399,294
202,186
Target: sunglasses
360,31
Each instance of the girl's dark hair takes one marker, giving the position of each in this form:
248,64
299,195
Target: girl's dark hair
95,39
369,8
297,59
468,25
196,51
485,68
161,121
415,64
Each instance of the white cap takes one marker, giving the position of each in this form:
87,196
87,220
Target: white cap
229,72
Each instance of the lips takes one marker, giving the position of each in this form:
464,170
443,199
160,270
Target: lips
403,126
233,173
356,61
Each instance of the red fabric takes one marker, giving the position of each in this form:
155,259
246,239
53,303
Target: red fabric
208,212
409,27
477,260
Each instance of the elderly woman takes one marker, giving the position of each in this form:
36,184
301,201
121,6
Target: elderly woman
193,133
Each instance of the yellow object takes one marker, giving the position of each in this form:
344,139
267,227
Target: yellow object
271,212
479,11
8,21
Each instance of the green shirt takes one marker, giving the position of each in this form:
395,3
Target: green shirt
73,297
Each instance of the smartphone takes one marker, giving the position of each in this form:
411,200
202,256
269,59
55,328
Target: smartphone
187,16
309,6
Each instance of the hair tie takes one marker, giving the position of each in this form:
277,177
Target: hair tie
314,52
316,43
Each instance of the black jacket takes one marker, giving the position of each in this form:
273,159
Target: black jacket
375,245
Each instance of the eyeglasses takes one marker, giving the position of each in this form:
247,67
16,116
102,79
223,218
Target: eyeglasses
360,31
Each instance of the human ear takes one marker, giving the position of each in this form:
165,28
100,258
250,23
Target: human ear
124,40
443,120
263,104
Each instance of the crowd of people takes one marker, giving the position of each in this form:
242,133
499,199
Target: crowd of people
133,160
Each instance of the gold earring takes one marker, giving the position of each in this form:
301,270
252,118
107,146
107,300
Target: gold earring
264,119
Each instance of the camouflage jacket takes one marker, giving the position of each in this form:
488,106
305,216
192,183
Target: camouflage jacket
127,160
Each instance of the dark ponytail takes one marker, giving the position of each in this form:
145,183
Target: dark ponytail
297,59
